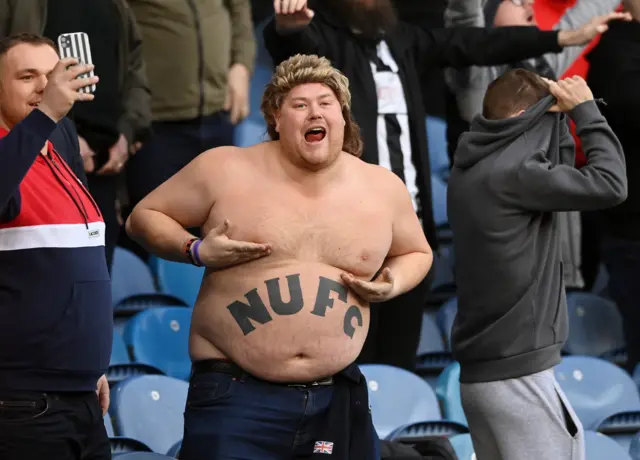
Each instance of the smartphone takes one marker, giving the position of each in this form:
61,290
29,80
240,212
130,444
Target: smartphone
76,45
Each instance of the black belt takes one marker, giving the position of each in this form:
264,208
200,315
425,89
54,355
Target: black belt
222,366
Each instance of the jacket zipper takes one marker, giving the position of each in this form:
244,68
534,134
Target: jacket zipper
200,47
79,182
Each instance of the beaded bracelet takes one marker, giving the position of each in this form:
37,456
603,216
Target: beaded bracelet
187,250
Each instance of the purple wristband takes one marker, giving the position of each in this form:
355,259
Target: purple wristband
195,254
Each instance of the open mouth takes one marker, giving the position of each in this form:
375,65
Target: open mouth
35,104
315,135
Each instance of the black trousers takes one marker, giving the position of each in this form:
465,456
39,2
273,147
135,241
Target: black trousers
52,426
104,191
394,331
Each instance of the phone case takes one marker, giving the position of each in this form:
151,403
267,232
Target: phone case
76,44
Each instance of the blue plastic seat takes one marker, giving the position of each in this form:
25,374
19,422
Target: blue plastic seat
119,353
108,425
463,446
174,452
448,393
438,150
132,305
596,388
445,317
595,326
601,447
430,337
150,409
419,431
621,427
250,132
398,397
143,456
432,357
180,280
439,197
121,445
119,372
129,276
159,337
443,286
634,447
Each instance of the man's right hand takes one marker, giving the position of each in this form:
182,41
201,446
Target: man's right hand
217,251
62,88
292,14
569,93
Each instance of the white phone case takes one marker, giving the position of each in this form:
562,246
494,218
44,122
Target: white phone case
76,44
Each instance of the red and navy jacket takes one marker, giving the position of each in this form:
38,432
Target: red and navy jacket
56,318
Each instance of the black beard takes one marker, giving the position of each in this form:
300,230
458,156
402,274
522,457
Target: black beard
370,22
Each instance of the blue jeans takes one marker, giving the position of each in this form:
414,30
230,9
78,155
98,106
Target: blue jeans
230,418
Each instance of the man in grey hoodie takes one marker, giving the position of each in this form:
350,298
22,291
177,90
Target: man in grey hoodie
513,172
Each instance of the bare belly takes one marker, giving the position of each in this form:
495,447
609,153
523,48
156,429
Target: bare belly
280,320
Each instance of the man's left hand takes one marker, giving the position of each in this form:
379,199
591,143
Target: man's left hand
103,394
237,101
378,290
118,156
589,31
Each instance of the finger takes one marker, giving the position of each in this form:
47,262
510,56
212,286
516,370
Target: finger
358,284
310,13
301,5
64,64
246,247
554,109
602,28
83,82
83,97
227,99
276,7
110,167
221,229
77,70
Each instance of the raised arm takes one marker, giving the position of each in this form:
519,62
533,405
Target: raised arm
292,31
581,13
601,183
465,46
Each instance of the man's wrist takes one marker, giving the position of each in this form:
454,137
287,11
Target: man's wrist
569,38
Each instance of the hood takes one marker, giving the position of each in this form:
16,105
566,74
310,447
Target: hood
489,136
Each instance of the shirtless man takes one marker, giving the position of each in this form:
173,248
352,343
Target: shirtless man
301,237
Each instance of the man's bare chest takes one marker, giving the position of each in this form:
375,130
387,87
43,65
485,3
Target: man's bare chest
352,234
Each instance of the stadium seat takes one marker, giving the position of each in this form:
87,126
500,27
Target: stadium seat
129,276
438,151
128,307
174,452
250,132
439,197
596,388
595,326
600,447
121,445
119,372
143,456
119,353
621,427
448,394
150,409
432,356
108,425
180,280
159,337
443,286
463,446
420,431
398,397
634,447
445,317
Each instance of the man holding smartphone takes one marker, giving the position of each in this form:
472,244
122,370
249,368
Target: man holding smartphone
56,319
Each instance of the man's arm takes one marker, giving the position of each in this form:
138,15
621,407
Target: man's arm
410,256
135,122
18,150
581,13
284,43
243,42
601,183
159,221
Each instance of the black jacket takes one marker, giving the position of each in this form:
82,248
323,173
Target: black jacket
416,51
614,75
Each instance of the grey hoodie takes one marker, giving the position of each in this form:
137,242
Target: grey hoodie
509,179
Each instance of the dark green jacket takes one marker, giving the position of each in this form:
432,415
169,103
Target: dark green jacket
31,15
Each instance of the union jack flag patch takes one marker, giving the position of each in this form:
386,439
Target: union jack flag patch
323,447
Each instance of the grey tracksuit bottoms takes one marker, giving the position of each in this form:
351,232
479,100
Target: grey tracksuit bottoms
526,418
